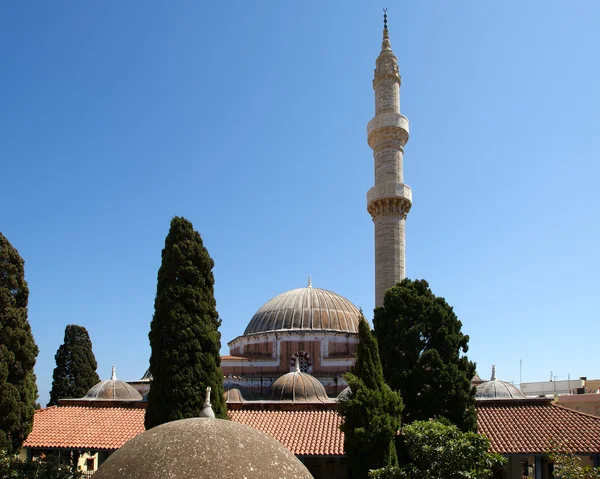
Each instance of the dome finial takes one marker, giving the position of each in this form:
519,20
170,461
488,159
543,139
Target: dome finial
113,375
207,411
385,18
297,365
309,282
493,372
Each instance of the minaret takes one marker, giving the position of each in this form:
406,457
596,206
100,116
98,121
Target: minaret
389,201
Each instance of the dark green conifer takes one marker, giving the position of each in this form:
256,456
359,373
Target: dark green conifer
75,371
371,414
423,355
184,333
18,351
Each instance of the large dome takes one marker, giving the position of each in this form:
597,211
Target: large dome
305,308
202,448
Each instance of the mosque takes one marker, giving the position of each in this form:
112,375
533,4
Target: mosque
315,327
284,374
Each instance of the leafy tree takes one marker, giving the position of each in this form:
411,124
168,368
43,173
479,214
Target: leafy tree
18,351
49,467
75,371
371,414
434,450
184,334
568,465
422,353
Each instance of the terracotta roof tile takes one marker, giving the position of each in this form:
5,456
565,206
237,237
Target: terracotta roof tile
305,433
527,428
72,427
247,357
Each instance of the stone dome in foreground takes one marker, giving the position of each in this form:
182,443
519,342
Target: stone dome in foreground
113,389
496,389
202,448
305,308
298,387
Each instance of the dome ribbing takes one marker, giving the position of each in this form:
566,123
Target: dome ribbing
298,387
305,308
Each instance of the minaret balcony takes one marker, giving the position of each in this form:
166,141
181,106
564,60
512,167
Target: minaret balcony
385,191
393,124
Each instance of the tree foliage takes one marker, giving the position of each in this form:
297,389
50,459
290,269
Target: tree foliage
371,414
18,351
50,467
434,450
568,465
422,353
184,334
75,371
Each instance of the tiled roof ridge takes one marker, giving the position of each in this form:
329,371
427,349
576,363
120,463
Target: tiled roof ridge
575,411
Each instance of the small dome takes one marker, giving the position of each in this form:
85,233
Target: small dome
298,387
305,308
344,395
496,389
236,393
202,448
113,390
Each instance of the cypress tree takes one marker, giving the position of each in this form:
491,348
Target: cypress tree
18,351
75,371
184,335
423,354
371,414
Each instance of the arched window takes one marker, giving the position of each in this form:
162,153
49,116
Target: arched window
304,361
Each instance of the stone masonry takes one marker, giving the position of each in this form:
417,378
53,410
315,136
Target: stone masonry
389,201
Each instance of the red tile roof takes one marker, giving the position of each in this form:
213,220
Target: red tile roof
75,427
247,358
305,433
514,427
72,427
526,427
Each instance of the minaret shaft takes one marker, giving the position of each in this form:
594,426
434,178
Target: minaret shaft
389,201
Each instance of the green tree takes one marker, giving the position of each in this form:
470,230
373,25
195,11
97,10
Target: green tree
184,333
434,450
371,414
49,467
18,351
75,371
422,353
568,465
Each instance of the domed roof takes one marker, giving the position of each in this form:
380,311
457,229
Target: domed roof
298,387
305,308
344,395
496,389
114,390
236,393
202,448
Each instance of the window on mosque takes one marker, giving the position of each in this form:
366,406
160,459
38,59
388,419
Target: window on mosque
303,361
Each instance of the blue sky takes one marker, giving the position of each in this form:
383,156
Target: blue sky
249,119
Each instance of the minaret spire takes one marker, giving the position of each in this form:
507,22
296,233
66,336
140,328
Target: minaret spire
386,45
389,201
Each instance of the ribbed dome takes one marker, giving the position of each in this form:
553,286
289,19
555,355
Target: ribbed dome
305,308
236,393
496,389
344,395
298,387
113,389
